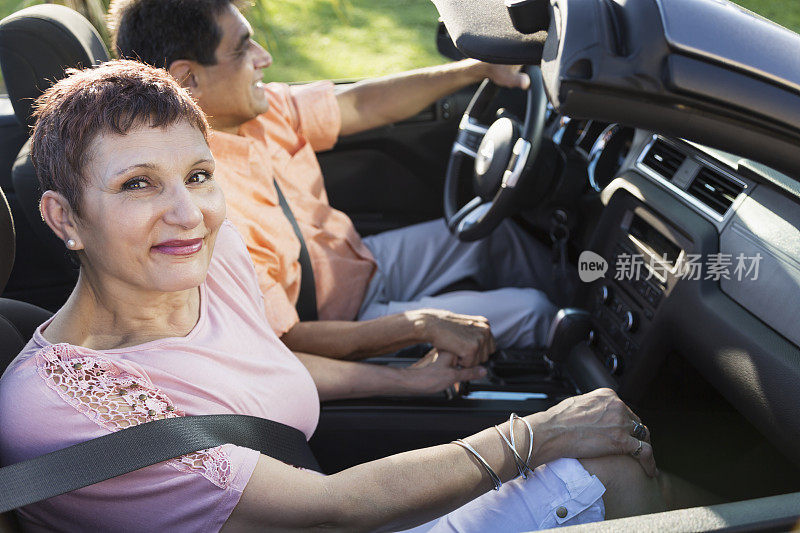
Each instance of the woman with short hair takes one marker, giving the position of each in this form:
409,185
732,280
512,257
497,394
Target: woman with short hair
167,320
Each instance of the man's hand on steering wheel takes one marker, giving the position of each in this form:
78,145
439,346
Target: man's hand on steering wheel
508,76
495,157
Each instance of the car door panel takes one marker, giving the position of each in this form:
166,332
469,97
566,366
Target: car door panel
393,176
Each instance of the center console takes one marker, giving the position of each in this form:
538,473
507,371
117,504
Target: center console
646,258
606,340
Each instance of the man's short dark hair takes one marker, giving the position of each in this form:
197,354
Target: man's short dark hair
158,32
112,98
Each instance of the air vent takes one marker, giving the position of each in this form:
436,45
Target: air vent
715,190
664,158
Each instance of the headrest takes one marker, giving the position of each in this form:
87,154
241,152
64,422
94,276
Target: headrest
7,241
37,44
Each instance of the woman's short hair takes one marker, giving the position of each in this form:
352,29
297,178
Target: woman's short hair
114,97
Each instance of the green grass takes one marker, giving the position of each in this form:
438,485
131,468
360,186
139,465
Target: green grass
317,39
784,12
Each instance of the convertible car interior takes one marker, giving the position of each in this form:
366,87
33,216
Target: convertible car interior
655,153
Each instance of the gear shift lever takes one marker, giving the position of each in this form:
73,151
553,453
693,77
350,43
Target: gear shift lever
569,327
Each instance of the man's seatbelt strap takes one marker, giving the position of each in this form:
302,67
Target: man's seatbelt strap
307,299
139,446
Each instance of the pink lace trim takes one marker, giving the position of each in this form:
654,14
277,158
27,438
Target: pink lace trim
116,400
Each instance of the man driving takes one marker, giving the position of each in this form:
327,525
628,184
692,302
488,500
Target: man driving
371,295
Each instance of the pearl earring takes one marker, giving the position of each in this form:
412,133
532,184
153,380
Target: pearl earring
71,243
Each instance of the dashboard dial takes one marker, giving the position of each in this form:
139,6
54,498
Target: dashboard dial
608,154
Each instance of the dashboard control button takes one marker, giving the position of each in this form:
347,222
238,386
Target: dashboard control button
630,321
653,296
642,288
612,363
604,294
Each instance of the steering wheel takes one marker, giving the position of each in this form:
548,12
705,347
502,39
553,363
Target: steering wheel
500,154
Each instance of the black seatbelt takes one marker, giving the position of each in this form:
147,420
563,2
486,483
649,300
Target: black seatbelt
307,299
139,446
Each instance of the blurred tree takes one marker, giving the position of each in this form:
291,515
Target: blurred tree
93,10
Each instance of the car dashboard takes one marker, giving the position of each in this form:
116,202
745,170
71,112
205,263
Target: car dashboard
674,70
702,253
667,202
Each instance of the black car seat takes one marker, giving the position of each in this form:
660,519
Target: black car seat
12,136
37,45
18,320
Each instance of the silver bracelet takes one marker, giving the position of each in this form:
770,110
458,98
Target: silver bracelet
492,474
515,416
522,465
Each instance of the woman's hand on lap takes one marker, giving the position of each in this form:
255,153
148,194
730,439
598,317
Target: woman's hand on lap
590,425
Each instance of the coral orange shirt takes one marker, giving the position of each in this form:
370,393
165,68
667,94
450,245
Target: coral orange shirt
281,145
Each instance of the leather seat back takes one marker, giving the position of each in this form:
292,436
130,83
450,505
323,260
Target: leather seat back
18,320
43,273
37,45
8,243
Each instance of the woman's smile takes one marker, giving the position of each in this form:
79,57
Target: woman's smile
183,247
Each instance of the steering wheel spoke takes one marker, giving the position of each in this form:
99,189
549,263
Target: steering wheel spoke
470,135
466,211
519,157
466,149
473,216
500,156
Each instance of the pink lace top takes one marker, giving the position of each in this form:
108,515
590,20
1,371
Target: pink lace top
53,396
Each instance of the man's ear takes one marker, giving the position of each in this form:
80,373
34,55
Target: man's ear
58,214
184,71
